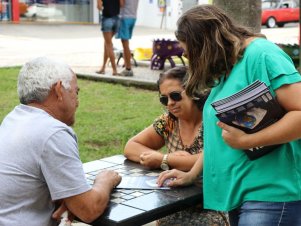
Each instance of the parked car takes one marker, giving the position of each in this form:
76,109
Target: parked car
279,12
43,11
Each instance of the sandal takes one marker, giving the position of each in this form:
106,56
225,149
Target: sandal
100,72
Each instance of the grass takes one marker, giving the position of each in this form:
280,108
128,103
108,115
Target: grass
108,114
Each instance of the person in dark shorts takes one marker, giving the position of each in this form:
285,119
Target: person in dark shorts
109,26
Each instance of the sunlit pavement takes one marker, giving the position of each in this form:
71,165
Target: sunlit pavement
82,45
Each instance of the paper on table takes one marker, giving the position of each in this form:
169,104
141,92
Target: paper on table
140,182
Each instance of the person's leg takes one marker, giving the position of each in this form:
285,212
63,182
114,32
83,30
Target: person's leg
109,27
126,54
109,50
125,33
266,214
106,26
105,60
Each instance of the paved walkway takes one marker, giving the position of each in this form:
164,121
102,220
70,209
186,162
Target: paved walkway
81,46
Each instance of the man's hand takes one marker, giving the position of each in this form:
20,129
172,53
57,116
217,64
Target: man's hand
108,176
57,215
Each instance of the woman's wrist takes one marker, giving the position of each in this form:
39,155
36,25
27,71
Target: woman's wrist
192,175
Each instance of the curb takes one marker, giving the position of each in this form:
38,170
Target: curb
126,81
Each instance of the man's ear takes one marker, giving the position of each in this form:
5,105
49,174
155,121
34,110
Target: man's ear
58,90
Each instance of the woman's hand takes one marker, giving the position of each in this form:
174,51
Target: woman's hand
285,130
234,137
177,178
151,159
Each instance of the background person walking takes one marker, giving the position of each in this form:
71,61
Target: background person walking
109,26
128,16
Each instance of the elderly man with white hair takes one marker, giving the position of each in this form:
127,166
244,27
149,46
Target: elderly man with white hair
39,160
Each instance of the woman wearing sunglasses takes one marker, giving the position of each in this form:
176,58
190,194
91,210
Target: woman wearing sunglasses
180,130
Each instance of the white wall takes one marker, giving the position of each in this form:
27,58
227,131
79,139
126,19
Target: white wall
205,2
95,12
149,14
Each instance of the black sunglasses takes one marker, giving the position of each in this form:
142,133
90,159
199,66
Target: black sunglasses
175,96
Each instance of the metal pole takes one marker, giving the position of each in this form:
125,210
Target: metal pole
15,17
164,16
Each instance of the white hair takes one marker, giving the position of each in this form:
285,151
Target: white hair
37,77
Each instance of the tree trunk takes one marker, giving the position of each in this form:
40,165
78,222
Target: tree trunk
245,12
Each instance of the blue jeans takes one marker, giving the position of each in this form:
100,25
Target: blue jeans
110,24
254,213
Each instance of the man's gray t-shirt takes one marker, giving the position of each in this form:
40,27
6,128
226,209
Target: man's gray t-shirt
39,163
130,9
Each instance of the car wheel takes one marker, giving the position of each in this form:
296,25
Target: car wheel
280,24
34,17
271,22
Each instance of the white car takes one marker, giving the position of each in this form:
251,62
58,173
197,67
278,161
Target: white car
43,11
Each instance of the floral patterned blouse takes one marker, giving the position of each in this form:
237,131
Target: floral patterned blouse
168,128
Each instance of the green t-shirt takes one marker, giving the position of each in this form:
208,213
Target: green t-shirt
230,178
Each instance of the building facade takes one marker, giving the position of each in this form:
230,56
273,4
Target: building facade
151,13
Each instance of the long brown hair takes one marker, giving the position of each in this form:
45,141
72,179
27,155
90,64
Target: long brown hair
214,43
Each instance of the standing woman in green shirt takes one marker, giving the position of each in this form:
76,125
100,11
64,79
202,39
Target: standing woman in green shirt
227,57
